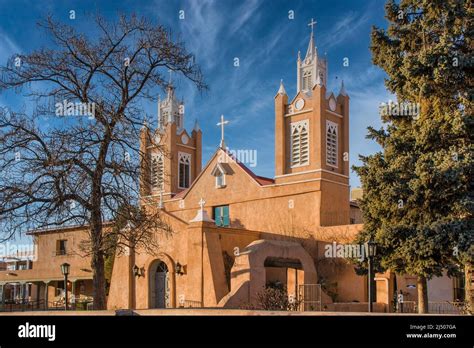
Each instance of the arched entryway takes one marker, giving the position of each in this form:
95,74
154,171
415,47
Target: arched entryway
258,263
286,272
159,285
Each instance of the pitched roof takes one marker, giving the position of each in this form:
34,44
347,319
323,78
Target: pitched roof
261,180
63,228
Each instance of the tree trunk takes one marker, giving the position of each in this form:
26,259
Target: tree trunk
467,286
98,266
98,281
422,286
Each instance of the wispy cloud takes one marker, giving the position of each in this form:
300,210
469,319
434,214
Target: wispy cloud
247,11
8,47
201,28
343,29
366,90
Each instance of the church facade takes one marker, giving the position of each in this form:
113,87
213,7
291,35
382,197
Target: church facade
235,232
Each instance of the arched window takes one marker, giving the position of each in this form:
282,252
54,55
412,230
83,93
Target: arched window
331,143
157,172
220,180
307,80
162,119
299,143
184,169
179,121
219,173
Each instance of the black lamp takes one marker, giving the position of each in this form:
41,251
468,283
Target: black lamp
138,272
179,269
65,267
371,249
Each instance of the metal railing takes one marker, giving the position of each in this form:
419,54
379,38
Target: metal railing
40,305
309,297
433,307
445,307
22,306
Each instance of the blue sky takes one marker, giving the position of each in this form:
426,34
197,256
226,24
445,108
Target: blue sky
265,40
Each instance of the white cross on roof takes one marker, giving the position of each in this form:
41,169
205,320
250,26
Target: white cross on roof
201,203
222,123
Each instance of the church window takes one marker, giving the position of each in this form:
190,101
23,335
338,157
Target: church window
221,216
307,80
219,173
331,143
157,172
178,121
299,143
220,180
184,169
164,117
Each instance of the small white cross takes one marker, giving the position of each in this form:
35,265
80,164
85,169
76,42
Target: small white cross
312,24
201,203
222,123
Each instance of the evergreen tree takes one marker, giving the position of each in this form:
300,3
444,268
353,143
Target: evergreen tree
418,191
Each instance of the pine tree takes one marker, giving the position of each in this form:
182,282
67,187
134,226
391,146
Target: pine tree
418,191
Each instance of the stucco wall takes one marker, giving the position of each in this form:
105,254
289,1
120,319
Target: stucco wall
47,265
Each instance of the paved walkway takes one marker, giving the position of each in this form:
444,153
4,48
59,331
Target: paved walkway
207,312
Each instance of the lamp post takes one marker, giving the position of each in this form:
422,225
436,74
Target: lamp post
371,249
179,269
65,271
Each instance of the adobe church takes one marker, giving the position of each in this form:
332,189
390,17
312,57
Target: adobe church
234,231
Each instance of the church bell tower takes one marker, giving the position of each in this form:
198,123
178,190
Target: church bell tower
312,135
174,155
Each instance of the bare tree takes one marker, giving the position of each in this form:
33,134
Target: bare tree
85,170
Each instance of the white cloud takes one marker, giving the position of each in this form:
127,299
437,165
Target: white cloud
201,29
343,29
8,47
248,11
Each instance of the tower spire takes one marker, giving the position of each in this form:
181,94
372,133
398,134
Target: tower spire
170,88
170,72
311,52
312,70
158,114
145,123
281,90
342,91
196,126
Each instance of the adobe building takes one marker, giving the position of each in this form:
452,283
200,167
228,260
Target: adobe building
38,278
235,232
